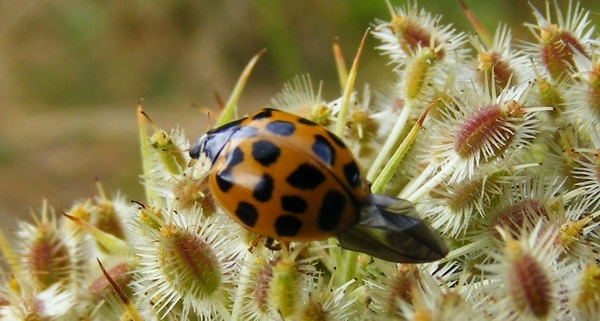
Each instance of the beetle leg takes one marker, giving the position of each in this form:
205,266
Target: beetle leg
254,243
270,244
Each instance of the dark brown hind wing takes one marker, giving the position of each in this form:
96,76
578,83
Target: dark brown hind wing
388,230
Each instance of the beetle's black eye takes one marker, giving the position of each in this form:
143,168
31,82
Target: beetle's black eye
211,143
197,147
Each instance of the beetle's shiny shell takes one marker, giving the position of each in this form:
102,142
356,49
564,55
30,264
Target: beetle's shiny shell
284,177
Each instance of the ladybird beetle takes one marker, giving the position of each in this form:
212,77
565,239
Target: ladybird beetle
285,177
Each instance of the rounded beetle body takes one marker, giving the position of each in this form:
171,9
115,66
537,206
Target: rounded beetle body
284,177
287,178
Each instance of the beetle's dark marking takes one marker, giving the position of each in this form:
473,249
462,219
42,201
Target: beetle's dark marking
306,176
247,213
281,128
287,225
331,210
306,122
223,182
233,158
293,204
265,152
245,132
263,189
324,150
224,178
265,113
352,174
336,140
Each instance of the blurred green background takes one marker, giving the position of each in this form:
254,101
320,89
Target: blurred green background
71,72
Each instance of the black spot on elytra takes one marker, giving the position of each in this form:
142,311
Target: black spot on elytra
293,204
263,189
287,225
352,174
336,140
265,113
324,150
265,152
281,128
247,213
305,176
233,158
223,181
224,178
331,210
306,122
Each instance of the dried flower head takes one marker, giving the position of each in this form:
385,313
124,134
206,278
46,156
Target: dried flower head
526,281
496,148
560,41
186,264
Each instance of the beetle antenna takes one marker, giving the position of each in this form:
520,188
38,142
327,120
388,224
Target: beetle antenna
208,121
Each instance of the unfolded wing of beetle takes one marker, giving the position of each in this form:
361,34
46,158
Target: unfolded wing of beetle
388,230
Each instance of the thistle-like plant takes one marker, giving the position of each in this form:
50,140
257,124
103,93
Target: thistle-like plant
496,142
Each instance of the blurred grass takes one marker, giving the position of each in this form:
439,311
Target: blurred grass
72,71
